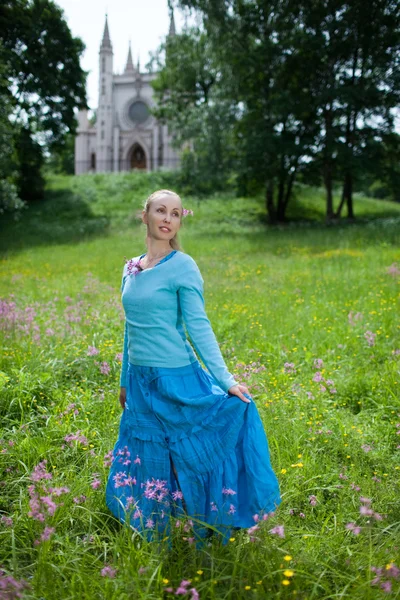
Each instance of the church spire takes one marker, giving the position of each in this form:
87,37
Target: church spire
106,41
172,30
129,68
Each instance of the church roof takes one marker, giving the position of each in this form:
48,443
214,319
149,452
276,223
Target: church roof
172,29
106,41
129,68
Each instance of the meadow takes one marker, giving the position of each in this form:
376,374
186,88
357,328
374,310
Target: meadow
307,315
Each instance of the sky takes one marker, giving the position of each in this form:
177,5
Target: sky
145,23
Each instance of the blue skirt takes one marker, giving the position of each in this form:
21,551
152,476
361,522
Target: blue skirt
187,448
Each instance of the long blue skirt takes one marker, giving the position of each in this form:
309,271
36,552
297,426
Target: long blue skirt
187,448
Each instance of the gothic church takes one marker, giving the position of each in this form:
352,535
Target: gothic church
126,136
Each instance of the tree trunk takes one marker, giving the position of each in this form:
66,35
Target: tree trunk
349,195
327,167
289,189
269,202
328,187
342,201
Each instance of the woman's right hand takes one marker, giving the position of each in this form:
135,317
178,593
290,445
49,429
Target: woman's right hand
122,396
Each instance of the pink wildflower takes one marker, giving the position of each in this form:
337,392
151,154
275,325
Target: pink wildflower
365,500
354,528
48,531
149,524
108,571
228,491
289,368
279,530
39,472
370,337
92,351
105,368
364,510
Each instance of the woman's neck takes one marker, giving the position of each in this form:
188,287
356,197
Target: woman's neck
155,250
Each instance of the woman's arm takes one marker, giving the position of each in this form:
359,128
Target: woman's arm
124,368
191,299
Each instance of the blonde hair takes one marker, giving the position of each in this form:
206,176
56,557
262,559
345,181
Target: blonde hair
174,242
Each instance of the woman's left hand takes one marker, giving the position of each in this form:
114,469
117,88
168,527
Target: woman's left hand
239,390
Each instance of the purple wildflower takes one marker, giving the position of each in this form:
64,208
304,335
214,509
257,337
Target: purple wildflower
318,377
354,528
105,368
149,524
92,351
279,530
47,532
228,491
232,509
370,337
393,270
108,571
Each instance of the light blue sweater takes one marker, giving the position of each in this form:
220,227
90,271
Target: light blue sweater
157,301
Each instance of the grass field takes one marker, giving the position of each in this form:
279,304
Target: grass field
307,316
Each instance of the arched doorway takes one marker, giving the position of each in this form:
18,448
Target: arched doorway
138,157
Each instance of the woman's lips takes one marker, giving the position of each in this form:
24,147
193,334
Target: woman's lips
167,229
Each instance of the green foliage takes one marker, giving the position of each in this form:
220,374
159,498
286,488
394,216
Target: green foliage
41,82
43,66
62,158
201,120
29,154
305,89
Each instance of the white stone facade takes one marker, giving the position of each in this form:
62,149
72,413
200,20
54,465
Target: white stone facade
126,136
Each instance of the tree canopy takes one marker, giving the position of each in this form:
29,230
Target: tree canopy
41,84
312,87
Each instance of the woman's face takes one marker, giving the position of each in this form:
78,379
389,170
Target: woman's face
164,217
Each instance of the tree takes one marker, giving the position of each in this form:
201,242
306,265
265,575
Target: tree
44,78
189,100
309,84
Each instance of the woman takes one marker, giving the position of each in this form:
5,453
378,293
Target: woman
191,441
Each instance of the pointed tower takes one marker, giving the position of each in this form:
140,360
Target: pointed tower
129,68
172,29
104,113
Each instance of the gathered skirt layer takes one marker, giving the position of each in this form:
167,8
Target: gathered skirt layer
186,447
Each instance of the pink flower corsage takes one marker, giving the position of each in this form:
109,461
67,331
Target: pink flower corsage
132,266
